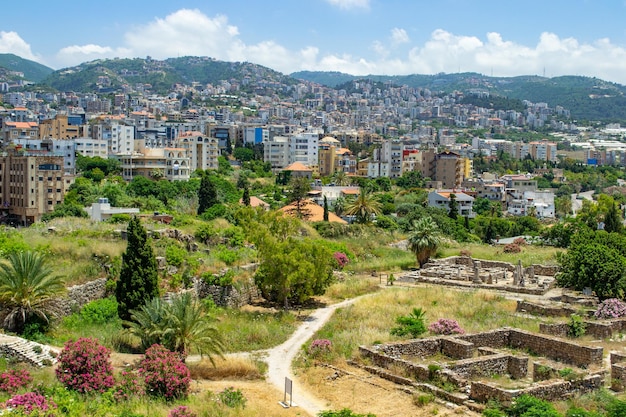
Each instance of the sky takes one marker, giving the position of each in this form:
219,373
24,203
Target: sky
358,37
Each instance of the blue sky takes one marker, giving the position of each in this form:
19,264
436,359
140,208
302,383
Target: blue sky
360,37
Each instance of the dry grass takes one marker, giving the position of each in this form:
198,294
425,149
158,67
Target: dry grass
530,254
232,367
363,393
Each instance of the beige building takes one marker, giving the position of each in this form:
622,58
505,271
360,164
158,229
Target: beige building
59,128
203,151
31,186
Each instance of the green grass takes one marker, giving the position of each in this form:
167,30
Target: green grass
530,254
370,319
246,331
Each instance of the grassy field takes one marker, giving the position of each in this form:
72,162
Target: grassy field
530,254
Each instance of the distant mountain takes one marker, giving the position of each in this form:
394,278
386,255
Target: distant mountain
585,97
33,71
110,74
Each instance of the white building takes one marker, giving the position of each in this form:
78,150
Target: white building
102,210
441,199
537,203
276,152
303,147
203,151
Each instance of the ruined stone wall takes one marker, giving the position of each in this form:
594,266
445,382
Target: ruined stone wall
421,348
544,310
457,349
77,296
546,270
483,366
233,296
498,338
555,348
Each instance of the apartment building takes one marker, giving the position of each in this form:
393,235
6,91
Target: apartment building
276,152
441,199
333,158
31,185
304,147
203,151
170,163
61,127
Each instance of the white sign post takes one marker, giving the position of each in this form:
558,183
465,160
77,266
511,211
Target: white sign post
288,390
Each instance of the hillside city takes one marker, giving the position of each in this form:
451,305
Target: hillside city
186,248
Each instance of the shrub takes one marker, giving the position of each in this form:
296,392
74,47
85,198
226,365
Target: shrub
31,402
207,234
100,311
576,326
175,255
341,259
127,386
164,373
412,325
611,308
519,241
232,398
228,256
346,412
446,326
512,248
14,379
181,411
526,405
84,366
320,347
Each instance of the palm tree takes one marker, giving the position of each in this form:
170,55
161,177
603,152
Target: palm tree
341,179
363,207
424,239
180,326
26,286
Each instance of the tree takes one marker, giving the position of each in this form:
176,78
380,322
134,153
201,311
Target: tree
26,285
207,194
180,326
453,207
424,239
363,207
613,219
138,281
325,209
300,186
246,195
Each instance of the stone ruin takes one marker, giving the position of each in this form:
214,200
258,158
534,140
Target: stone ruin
474,273
497,365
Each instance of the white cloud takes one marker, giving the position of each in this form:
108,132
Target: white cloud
399,36
190,32
350,4
12,43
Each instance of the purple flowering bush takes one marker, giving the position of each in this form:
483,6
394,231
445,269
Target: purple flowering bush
181,411
611,308
341,259
14,379
446,326
165,375
31,402
320,347
85,366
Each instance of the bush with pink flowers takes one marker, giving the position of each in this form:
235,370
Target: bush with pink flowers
341,259
85,366
446,326
611,308
31,403
14,379
128,385
181,411
165,375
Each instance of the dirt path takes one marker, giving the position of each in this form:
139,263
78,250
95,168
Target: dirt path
280,358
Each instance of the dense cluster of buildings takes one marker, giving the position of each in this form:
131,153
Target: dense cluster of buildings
171,136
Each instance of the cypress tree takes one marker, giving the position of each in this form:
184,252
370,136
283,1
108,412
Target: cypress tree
207,195
246,196
139,280
325,209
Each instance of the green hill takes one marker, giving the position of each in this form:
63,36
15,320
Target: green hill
160,74
33,71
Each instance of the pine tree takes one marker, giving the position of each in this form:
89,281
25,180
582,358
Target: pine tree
138,281
453,207
613,219
207,195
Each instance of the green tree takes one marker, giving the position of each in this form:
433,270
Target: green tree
363,207
246,195
613,219
243,154
207,194
26,285
181,326
410,325
424,239
325,209
453,207
300,186
138,281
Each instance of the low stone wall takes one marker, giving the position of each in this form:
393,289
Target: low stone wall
495,339
618,371
599,329
228,295
483,366
555,348
545,270
457,349
77,296
524,306
484,392
421,348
